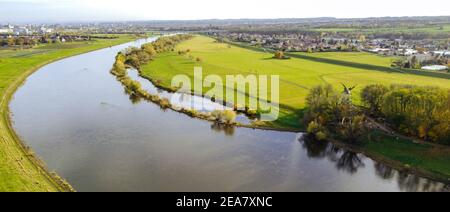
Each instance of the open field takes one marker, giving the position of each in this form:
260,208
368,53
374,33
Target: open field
297,75
20,170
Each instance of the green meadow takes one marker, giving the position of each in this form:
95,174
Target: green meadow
20,170
297,75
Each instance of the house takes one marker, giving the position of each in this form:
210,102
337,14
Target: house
442,53
435,68
6,29
409,52
44,30
21,31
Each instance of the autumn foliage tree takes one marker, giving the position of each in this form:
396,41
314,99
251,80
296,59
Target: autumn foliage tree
423,112
279,55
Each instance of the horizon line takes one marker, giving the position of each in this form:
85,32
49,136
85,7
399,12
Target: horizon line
216,19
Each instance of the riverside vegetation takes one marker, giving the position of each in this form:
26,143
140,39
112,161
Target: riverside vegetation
20,169
135,58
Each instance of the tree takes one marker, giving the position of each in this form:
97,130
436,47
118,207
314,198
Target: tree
121,57
372,97
20,41
134,61
414,63
362,38
417,111
327,109
279,55
354,128
224,116
149,50
317,130
322,103
11,42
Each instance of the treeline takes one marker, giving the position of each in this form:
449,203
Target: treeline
32,40
19,41
135,57
331,113
422,112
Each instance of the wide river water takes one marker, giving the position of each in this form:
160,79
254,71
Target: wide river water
76,116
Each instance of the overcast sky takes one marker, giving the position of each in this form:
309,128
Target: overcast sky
113,10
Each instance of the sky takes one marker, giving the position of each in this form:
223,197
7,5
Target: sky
123,10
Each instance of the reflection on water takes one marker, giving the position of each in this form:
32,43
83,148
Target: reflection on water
78,119
345,160
351,162
227,129
186,101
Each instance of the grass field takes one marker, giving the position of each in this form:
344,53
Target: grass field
297,75
19,169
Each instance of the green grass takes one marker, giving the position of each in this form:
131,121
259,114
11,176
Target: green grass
434,159
297,75
19,169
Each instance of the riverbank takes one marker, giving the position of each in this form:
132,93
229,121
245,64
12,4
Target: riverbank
20,168
427,160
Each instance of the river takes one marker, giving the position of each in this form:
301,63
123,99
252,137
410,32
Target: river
76,116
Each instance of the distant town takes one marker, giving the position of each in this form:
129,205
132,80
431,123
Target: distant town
428,49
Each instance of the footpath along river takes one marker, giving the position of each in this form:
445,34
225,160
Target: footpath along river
76,116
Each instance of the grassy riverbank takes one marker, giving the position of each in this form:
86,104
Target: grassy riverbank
298,75
20,169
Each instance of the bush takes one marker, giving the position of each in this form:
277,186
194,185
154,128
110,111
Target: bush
354,129
229,116
225,116
165,103
119,69
317,130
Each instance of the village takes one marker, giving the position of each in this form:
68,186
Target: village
28,36
427,54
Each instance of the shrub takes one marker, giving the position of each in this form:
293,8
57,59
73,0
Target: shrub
165,103
354,129
224,116
229,116
317,130
279,55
